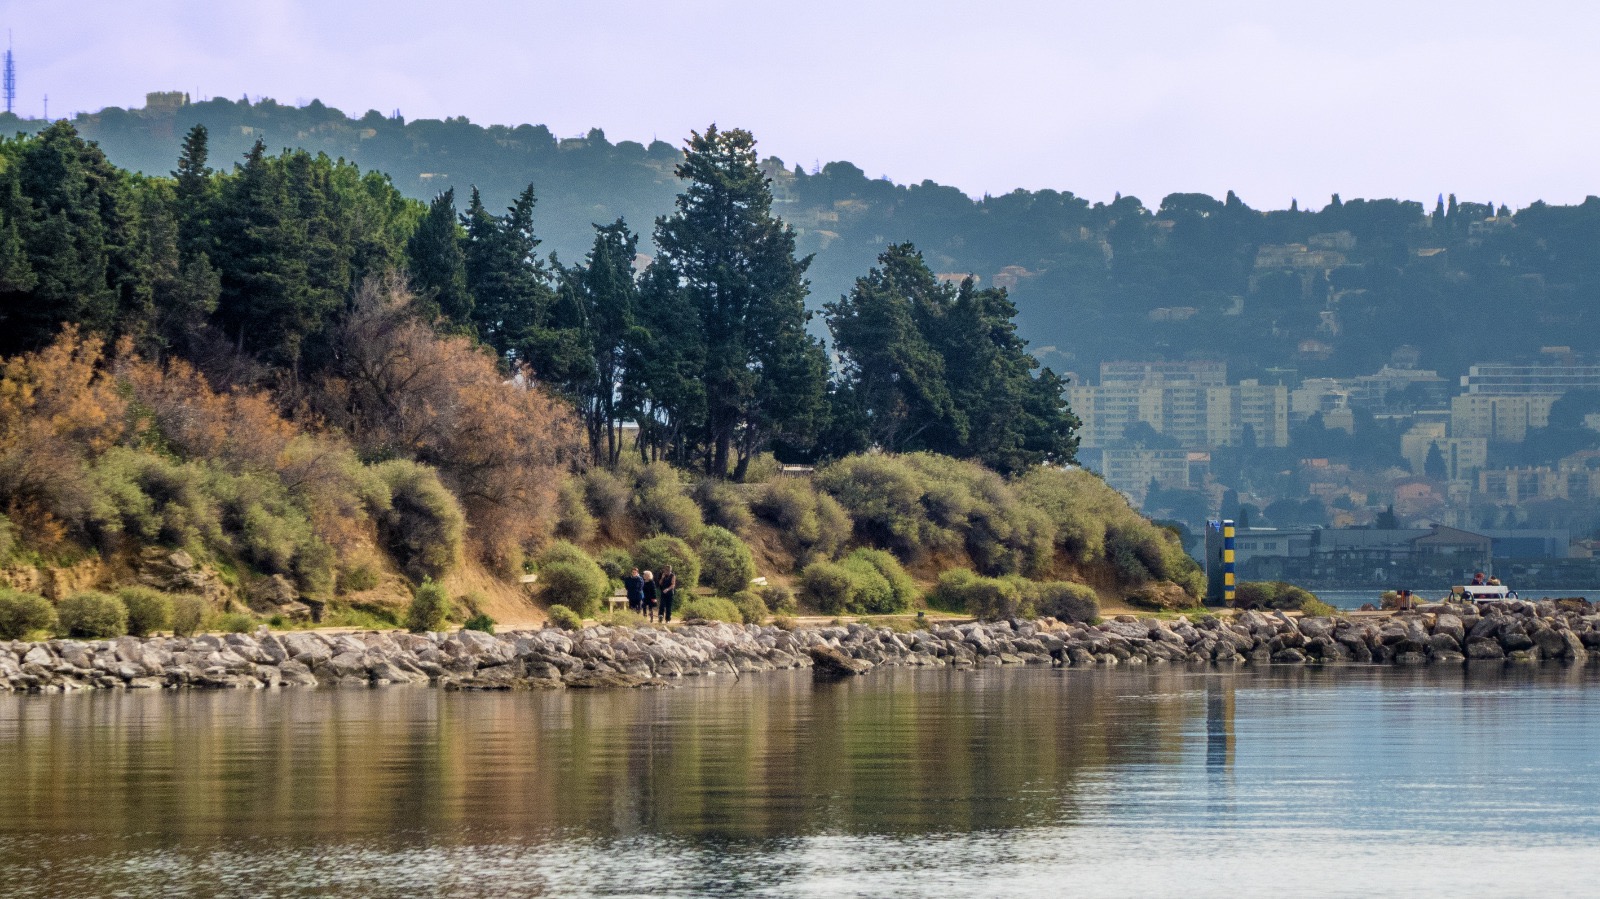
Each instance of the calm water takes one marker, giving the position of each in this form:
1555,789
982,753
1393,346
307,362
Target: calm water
1354,599
1355,781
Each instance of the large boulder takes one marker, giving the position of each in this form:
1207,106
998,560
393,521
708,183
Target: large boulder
829,663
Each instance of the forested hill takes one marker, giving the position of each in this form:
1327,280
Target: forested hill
1330,291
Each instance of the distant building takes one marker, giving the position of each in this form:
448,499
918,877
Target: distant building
1550,378
1551,543
1463,456
1375,391
1317,395
1499,417
1198,374
1509,486
1344,556
1131,471
1189,402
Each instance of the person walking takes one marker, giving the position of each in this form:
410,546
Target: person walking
648,586
633,585
669,591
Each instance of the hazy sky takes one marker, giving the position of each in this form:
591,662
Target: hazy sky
1495,101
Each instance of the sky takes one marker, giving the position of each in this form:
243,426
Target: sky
1493,101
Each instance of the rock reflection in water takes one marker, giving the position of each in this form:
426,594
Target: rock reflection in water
757,786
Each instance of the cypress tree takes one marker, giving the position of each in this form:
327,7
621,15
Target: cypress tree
438,265
763,375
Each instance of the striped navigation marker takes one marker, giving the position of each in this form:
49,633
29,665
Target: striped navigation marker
1228,582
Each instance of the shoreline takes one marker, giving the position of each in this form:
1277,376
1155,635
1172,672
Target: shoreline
602,656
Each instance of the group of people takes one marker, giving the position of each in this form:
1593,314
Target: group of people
651,596
1478,580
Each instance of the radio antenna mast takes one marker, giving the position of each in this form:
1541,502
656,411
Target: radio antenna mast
11,76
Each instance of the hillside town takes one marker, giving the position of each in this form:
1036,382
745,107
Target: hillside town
1363,479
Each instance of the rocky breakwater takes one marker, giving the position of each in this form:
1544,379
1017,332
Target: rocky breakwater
1565,630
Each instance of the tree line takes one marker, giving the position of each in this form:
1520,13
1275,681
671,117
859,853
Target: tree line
1178,276
252,273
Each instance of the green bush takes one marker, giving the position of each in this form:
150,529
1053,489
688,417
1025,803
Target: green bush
826,587
608,496
661,504
810,524
853,585
883,496
578,584
659,552
153,499
8,539
949,592
710,608
574,521
994,599
92,615
725,561
357,578
1091,523
616,563
1316,608
870,592
422,525
479,622
785,623
235,623
565,618
1271,595
188,614
902,588
429,608
22,614
1066,601
725,505
962,590
779,599
921,503
751,608
149,610
563,551
268,527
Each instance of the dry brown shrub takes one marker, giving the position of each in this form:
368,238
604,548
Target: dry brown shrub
175,407
57,410
501,444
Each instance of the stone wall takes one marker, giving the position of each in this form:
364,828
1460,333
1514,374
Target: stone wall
1499,633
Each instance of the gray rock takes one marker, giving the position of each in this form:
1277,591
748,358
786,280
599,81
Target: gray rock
1483,648
829,663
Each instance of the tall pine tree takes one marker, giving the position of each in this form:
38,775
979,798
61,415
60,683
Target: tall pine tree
764,376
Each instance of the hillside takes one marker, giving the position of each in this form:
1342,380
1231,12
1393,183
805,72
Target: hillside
1333,290
282,386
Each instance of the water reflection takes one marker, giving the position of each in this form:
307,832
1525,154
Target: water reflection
745,780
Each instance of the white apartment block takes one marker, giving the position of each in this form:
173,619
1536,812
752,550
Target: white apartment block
1191,402
1498,417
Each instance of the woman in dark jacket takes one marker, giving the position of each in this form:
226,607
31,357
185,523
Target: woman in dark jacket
633,585
669,590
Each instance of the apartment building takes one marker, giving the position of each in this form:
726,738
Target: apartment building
1499,417
1550,378
1190,402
